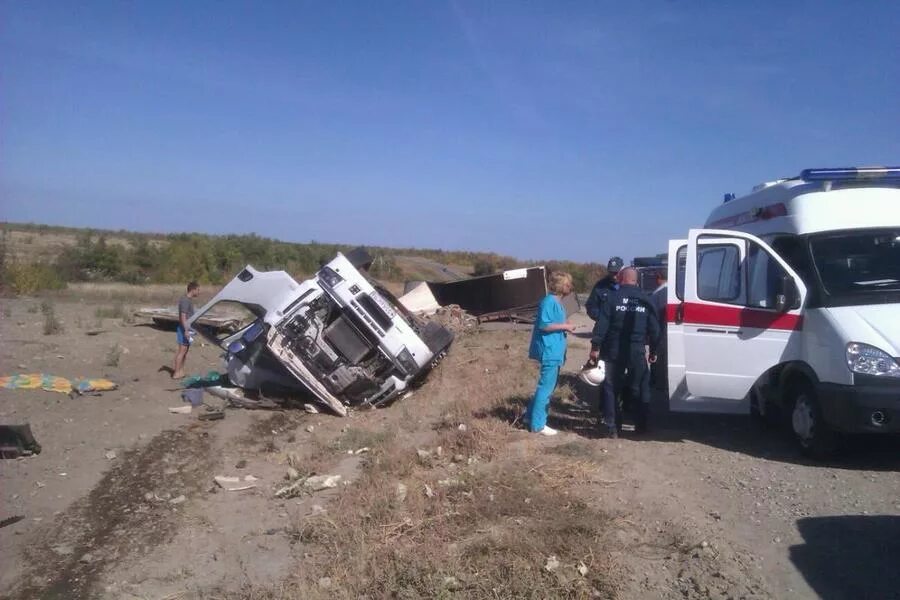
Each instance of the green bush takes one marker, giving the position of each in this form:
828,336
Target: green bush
26,279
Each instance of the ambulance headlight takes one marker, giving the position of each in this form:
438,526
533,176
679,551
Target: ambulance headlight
869,360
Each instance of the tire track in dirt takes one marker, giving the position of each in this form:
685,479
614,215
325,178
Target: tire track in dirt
123,517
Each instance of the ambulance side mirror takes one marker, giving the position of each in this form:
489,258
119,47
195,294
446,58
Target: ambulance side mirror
788,295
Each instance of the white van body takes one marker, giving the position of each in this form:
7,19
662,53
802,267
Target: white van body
789,299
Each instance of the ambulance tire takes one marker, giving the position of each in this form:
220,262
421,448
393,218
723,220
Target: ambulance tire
815,438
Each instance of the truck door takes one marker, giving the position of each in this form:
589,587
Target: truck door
738,316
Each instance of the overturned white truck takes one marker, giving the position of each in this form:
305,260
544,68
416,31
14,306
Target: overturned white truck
338,335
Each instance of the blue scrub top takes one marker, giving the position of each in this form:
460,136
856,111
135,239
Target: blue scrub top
548,347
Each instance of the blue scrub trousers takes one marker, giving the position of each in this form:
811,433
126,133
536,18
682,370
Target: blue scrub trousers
536,414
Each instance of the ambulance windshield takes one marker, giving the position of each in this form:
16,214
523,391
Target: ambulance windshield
853,263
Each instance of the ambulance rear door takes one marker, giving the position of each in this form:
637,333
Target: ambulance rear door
739,313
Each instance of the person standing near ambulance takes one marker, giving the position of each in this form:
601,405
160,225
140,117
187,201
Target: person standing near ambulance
626,323
548,347
603,286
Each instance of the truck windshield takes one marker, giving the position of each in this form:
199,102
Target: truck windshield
857,263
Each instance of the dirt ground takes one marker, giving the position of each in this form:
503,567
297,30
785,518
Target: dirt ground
441,494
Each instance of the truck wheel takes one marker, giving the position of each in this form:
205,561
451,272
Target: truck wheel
815,437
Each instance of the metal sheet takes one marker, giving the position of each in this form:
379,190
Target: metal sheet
494,293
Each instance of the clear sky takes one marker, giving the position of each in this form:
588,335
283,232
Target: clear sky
538,129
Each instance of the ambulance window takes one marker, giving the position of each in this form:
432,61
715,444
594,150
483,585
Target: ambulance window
680,268
765,278
719,273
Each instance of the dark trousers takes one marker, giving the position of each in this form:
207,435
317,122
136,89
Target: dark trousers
629,374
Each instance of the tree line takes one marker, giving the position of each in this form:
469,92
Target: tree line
139,258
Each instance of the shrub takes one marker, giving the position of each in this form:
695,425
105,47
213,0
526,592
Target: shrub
26,279
110,312
52,325
113,355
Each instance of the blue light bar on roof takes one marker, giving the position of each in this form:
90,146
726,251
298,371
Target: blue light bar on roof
850,174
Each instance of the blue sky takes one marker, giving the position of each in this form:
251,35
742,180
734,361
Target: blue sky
539,129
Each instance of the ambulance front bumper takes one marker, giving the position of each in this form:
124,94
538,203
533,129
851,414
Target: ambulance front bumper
869,406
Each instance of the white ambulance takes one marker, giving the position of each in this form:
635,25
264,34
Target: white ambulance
788,303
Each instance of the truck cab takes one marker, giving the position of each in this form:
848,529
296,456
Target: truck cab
338,335
787,304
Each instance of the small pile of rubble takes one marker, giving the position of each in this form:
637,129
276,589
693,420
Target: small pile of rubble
454,318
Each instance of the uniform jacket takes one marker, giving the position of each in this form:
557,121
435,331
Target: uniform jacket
627,321
598,294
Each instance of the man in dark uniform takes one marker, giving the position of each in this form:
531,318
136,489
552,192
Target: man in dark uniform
603,286
626,323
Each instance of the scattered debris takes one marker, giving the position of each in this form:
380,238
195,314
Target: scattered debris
322,482
310,429
11,520
64,550
212,415
178,499
236,484
429,493
168,317
311,409
111,455
582,569
401,492
292,474
552,563
180,410
315,483
193,396
463,427
17,440
86,558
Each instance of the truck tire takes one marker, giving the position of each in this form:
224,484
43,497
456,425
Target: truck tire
815,438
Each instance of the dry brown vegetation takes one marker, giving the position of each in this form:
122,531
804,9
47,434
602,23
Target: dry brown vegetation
459,510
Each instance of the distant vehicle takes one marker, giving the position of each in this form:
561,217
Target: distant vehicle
647,268
788,303
338,335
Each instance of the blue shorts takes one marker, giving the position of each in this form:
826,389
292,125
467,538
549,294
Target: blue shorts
183,340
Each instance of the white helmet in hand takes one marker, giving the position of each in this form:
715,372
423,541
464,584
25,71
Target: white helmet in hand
593,374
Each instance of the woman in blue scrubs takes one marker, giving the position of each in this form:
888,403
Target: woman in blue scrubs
548,347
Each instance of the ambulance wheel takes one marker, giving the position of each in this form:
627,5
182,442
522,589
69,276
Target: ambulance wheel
812,433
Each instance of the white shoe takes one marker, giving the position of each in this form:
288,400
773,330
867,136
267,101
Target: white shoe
548,431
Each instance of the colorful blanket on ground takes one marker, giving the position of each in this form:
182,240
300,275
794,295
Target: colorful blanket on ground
52,383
